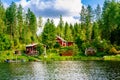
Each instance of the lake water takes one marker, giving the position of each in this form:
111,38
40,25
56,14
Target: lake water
61,70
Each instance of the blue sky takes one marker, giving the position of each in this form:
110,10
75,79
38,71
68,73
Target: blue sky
52,9
93,3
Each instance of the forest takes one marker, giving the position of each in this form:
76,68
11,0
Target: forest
98,28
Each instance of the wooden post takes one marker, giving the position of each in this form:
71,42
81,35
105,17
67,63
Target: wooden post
45,51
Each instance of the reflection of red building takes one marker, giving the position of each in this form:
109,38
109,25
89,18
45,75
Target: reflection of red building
31,49
63,42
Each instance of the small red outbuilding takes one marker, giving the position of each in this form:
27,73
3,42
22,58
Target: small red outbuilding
63,42
31,49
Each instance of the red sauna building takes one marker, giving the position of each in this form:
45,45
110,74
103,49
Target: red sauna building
63,42
31,49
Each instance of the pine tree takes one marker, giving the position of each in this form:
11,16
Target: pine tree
83,14
20,21
98,12
11,20
2,18
49,34
109,17
60,27
31,24
40,22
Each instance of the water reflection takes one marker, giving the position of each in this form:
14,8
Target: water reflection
61,70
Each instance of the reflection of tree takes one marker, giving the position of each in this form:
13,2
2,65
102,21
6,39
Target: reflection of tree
5,72
111,70
99,70
20,70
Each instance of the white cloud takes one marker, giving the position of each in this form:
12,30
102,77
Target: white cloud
73,7
54,8
24,3
5,5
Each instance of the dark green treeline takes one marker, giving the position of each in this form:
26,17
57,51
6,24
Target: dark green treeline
17,27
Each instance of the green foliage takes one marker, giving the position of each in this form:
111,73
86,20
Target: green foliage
83,15
40,22
72,48
20,21
85,45
114,58
60,27
78,42
16,28
11,20
5,42
57,45
109,21
98,12
31,26
49,34
40,49
68,33
95,32
2,18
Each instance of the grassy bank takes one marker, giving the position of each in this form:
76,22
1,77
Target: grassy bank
68,58
112,58
52,57
9,55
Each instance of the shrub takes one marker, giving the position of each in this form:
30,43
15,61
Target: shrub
40,49
5,42
57,45
73,49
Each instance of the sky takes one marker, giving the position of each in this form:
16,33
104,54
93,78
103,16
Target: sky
52,9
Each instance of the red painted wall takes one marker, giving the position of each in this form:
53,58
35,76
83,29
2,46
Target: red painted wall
64,43
61,42
70,43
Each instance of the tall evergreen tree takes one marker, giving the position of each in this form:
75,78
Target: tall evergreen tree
83,14
89,16
40,22
68,32
20,20
95,32
2,18
98,12
89,20
11,20
60,27
109,21
31,24
49,34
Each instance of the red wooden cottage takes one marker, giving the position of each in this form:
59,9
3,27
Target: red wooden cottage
63,42
31,49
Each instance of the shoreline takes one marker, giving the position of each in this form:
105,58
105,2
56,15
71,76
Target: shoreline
65,58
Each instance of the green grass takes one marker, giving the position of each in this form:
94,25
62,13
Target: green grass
4,55
113,58
52,57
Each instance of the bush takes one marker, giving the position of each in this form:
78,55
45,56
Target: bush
100,54
57,45
5,42
40,49
72,48
84,46
101,45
